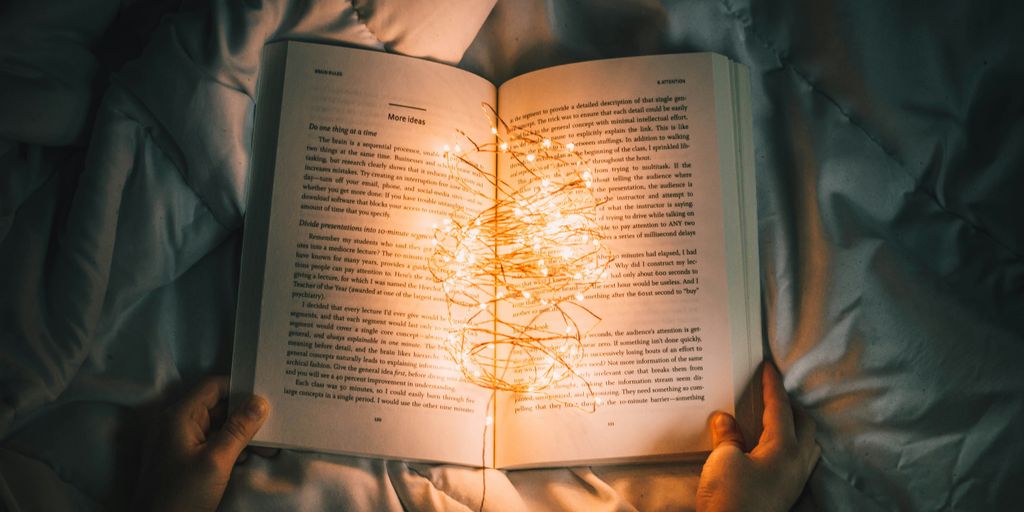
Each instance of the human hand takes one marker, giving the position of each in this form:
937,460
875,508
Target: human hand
772,475
192,449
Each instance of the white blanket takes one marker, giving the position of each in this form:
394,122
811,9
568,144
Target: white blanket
890,141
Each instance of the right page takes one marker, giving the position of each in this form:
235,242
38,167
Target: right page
679,335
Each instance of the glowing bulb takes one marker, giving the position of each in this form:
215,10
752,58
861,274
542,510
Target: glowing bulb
541,235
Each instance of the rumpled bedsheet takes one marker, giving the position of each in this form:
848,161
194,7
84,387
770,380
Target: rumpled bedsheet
890,164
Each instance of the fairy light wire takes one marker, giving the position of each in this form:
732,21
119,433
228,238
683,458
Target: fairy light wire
515,274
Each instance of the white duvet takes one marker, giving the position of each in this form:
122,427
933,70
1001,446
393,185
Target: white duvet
890,148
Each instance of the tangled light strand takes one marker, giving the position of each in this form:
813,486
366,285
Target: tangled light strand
515,275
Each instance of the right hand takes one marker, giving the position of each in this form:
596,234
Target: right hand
772,475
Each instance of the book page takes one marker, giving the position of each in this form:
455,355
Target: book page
349,348
674,308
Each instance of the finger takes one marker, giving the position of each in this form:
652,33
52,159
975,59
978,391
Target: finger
238,430
804,427
191,416
805,437
778,415
724,431
206,395
219,412
813,457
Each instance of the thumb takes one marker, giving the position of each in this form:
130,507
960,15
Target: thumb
227,444
724,431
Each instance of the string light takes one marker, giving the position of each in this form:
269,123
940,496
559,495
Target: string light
515,275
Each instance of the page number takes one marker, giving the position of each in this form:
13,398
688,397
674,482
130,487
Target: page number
377,419
611,423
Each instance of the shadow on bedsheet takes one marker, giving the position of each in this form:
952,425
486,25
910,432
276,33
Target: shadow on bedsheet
889,141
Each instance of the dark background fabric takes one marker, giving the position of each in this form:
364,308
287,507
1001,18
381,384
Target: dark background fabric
889,150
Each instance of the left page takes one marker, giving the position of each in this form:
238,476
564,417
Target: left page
340,325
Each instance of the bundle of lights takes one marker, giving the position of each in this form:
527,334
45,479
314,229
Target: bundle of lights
516,274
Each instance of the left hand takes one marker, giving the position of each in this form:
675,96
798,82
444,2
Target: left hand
193,448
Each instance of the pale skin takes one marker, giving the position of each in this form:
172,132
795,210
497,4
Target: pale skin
194,447
769,477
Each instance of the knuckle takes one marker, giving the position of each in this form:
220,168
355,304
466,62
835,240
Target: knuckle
706,493
733,440
236,430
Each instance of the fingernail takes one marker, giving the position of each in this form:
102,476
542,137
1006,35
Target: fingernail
256,408
724,423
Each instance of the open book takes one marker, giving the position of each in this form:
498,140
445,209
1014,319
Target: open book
341,327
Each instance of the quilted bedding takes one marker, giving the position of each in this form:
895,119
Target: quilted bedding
889,150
